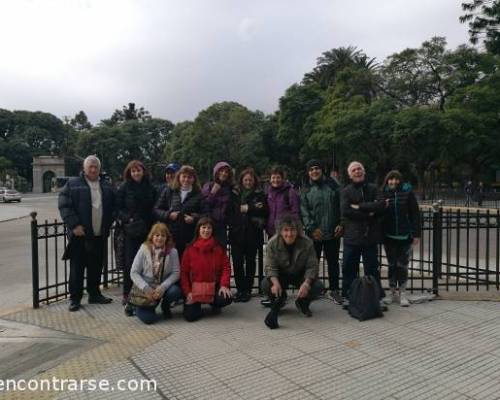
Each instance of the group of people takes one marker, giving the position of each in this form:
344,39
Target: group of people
175,247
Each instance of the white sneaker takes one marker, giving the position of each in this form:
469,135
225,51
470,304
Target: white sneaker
403,300
391,298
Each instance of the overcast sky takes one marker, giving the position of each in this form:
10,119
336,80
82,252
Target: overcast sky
177,57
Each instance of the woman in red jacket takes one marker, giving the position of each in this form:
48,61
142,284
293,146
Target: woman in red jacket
205,273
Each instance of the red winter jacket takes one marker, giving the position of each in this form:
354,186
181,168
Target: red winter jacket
204,261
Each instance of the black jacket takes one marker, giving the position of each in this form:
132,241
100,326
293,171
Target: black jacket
170,201
248,227
135,201
75,205
362,227
402,216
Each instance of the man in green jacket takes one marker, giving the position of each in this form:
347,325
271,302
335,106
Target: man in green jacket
290,260
320,212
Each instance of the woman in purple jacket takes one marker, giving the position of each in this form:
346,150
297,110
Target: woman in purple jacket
281,198
217,198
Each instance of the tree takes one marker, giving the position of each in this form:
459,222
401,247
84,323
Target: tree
80,122
473,125
128,113
224,131
429,75
117,145
356,130
296,118
483,17
418,139
333,61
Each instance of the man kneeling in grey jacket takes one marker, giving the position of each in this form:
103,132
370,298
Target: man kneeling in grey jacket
290,260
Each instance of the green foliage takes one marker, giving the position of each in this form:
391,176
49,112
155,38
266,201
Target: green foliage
483,17
118,144
24,134
224,131
80,122
127,113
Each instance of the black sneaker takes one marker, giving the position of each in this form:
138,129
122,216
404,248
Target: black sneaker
216,310
129,310
345,303
271,320
74,306
245,297
266,302
167,314
335,296
99,299
237,298
303,306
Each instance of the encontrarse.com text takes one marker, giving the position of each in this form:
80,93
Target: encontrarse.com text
77,385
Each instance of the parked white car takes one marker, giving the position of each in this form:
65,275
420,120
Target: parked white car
7,195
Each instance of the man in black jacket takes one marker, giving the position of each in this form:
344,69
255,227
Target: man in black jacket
362,227
86,206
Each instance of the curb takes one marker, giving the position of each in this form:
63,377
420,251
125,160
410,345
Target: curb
14,218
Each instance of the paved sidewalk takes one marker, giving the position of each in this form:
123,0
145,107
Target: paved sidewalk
437,350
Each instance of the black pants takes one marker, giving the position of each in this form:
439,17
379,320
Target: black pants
350,266
286,280
192,312
220,233
244,264
88,253
131,247
331,250
398,257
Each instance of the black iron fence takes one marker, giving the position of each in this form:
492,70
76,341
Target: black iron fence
457,198
459,250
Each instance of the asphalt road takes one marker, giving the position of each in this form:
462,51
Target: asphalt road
15,249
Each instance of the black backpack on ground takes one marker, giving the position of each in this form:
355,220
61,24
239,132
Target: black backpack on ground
364,299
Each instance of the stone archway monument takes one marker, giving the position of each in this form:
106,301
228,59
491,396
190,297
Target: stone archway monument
43,167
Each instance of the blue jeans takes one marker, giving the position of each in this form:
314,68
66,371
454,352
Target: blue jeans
148,314
350,265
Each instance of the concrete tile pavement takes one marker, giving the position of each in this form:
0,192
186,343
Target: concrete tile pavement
439,350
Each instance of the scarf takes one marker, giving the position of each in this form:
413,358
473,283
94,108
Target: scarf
158,256
205,245
244,195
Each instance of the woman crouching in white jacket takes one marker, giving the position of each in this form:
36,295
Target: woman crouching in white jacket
155,273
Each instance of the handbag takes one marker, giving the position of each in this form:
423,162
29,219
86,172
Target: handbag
204,292
136,229
138,296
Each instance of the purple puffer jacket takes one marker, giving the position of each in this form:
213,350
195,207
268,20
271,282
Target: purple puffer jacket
281,200
216,205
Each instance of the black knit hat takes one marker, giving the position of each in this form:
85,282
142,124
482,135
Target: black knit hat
393,174
314,163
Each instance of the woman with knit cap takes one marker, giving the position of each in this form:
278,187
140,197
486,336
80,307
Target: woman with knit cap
218,196
401,226
282,199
